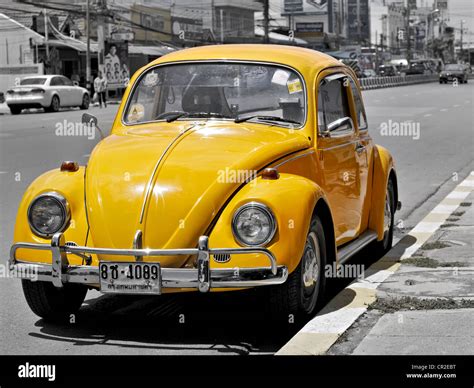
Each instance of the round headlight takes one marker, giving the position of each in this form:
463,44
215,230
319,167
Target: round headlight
48,214
253,224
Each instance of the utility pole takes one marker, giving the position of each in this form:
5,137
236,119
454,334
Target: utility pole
408,34
46,33
266,20
462,32
88,51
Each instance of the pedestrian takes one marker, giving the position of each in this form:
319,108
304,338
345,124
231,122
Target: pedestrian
100,86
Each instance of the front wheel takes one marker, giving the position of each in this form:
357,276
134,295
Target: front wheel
85,102
15,110
52,303
383,246
305,285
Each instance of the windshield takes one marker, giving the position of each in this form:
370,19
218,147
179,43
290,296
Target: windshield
33,81
219,90
453,67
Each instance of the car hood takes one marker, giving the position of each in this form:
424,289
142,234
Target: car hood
191,168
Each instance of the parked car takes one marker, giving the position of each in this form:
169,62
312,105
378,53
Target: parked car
454,72
369,73
50,92
209,181
387,71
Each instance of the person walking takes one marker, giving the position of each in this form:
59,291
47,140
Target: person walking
100,87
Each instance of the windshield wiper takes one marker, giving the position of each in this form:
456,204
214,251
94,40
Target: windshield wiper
265,118
195,114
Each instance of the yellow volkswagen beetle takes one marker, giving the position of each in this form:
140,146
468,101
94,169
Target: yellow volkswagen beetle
227,167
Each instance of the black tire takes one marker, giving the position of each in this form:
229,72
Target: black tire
85,101
383,246
293,297
52,303
15,110
55,105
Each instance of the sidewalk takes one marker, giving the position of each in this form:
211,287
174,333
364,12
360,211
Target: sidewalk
427,306
417,299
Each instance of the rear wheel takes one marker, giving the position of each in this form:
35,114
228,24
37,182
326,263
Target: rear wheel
305,285
15,110
55,105
52,303
85,102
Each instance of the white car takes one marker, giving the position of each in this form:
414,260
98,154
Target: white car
50,92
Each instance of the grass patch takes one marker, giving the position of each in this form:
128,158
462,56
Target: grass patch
434,245
452,219
448,225
426,262
391,305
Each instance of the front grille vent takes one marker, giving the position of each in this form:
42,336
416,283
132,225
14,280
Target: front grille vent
221,257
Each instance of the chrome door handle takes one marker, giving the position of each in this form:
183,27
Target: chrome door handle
359,148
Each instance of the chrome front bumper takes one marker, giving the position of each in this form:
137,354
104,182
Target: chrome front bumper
202,278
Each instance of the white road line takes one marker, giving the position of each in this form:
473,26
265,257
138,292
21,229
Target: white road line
319,334
428,115
443,110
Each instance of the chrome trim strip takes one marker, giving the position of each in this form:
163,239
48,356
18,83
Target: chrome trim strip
60,272
349,250
64,205
155,169
170,277
265,209
267,63
293,158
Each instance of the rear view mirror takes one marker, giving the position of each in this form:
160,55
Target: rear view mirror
339,127
91,120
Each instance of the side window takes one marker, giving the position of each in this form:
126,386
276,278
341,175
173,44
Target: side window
66,81
332,102
56,81
359,105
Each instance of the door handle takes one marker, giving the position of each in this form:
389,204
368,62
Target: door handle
359,147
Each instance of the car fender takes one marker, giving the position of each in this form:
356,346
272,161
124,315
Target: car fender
384,167
292,199
71,186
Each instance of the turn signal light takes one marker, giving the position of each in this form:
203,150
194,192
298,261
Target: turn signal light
270,173
69,166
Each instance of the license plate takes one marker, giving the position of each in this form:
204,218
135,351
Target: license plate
130,278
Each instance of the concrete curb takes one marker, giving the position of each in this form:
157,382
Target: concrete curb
319,334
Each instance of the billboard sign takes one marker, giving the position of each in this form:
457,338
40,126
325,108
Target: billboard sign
116,67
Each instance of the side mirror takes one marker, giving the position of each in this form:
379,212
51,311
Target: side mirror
91,120
339,127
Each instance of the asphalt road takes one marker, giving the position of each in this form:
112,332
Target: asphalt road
428,162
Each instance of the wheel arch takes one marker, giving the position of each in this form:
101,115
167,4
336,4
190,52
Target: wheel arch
384,169
323,210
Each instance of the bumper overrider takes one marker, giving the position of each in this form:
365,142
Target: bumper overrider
202,278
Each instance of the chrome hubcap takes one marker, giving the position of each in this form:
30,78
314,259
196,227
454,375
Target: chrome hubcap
311,263
387,215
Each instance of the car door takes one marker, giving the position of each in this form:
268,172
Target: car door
74,95
337,140
58,86
364,151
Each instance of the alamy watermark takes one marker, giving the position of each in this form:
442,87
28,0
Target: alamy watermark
71,128
402,129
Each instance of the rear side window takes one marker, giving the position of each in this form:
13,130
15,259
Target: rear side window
332,102
359,105
56,81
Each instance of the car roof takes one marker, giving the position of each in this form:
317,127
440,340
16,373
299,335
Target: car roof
301,59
